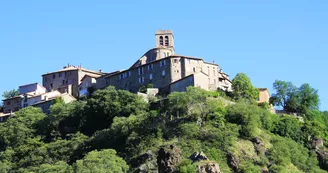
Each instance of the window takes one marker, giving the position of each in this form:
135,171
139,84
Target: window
166,41
129,73
175,60
209,81
143,79
150,67
214,81
54,76
214,72
161,41
163,63
194,69
139,79
45,79
150,76
8,102
51,85
60,74
221,79
63,82
139,71
163,73
65,73
142,70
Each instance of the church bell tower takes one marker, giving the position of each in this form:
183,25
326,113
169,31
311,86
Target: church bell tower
165,39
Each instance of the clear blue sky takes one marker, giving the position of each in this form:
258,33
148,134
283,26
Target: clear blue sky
280,39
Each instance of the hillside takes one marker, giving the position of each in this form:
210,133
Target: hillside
117,131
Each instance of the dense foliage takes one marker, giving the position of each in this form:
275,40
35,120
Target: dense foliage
243,88
11,93
113,130
293,99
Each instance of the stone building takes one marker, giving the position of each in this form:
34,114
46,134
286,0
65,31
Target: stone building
48,102
12,104
264,95
86,82
33,95
67,79
167,71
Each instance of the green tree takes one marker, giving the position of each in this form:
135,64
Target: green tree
105,104
289,127
11,93
191,104
246,116
63,119
101,161
20,127
294,99
309,98
243,88
58,167
143,89
285,96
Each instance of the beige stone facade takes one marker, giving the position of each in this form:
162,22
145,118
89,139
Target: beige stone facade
69,76
168,71
264,95
86,82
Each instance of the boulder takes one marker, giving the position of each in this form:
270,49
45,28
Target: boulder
168,158
144,163
208,167
233,162
198,156
258,145
323,158
317,143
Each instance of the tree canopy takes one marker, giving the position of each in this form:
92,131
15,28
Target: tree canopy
243,88
293,99
117,131
101,161
11,93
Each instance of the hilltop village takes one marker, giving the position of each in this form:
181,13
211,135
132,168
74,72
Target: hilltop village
159,67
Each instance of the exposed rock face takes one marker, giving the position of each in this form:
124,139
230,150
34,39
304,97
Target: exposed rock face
323,158
317,143
144,163
168,158
233,162
196,157
258,145
210,167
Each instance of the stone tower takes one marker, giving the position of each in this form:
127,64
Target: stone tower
165,39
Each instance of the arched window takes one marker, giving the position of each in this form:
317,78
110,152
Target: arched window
166,41
161,41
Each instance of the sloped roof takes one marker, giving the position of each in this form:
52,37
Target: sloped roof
91,75
72,68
